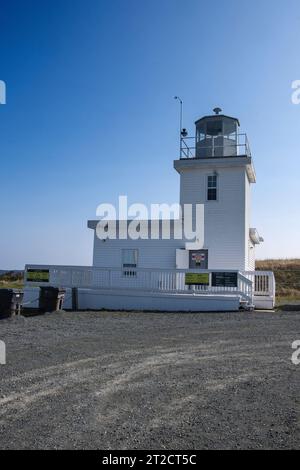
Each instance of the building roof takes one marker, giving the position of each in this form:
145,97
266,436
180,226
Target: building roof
215,116
213,163
92,224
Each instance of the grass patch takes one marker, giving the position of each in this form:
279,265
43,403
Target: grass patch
287,277
12,280
11,285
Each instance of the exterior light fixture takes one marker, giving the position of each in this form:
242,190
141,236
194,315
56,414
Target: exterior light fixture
184,133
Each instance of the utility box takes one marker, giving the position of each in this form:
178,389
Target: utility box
10,302
51,299
182,259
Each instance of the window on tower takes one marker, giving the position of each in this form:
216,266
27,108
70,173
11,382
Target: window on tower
214,128
212,187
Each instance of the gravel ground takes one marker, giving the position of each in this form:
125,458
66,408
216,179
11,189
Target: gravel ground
150,381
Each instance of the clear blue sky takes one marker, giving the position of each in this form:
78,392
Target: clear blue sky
90,112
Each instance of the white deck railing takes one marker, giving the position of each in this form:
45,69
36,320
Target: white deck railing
155,280
263,282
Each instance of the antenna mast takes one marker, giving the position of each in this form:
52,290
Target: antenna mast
180,124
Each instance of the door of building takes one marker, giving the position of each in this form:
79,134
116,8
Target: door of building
198,259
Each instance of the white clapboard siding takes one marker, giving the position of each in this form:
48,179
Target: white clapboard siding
224,219
151,253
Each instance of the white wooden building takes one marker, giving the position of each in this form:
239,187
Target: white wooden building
216,171
222,183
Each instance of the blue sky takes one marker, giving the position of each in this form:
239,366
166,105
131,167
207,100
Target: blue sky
90,112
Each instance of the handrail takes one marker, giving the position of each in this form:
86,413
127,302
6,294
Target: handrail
104,268
263,282
187,151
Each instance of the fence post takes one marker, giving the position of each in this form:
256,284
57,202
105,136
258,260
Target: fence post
74,299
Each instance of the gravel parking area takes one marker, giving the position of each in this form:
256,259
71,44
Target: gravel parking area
150,381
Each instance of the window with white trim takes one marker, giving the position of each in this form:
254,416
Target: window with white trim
212,187
129,258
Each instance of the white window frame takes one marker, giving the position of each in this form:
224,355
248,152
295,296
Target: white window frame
216,187
129,269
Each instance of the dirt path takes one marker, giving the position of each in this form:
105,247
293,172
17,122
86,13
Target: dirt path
150,381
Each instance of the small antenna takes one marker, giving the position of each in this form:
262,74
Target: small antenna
180,125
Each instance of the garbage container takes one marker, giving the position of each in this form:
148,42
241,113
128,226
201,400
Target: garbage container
10,302
51,299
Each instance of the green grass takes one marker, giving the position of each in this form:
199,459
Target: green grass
11,280
11,285
287,300
287,276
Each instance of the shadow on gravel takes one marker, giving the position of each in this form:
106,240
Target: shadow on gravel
289,308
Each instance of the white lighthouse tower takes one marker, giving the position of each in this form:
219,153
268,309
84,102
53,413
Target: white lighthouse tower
216,170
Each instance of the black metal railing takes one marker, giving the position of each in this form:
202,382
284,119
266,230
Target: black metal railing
210,147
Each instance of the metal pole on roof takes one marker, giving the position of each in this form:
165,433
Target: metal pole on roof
180,130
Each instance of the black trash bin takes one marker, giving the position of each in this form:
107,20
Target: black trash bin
51,299
10,302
